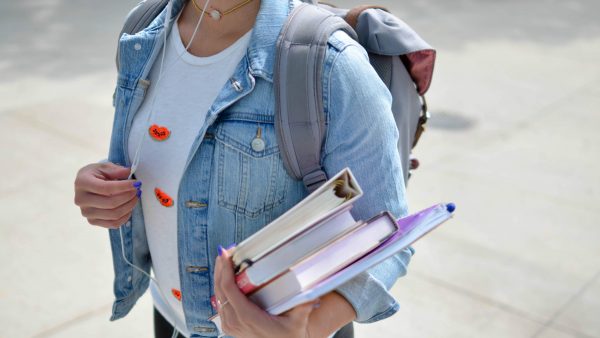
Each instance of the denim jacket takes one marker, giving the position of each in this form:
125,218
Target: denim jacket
229,190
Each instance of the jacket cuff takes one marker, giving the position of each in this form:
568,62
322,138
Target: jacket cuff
368,293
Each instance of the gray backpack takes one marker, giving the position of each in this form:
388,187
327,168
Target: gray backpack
401,58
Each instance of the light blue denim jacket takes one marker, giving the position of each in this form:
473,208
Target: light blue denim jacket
229,191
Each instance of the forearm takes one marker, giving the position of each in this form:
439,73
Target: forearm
333,313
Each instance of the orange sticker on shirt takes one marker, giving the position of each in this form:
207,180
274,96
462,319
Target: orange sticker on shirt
163,198
159,133
176,293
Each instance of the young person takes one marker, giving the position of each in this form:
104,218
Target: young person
200,120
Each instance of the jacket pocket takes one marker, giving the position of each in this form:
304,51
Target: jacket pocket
251,176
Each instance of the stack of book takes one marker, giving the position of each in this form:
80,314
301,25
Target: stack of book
317,246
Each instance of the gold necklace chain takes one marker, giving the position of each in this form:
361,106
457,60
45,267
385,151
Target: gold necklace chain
217,14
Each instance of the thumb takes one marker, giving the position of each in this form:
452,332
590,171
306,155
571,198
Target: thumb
302,312
111,171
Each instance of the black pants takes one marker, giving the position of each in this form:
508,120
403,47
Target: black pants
162,328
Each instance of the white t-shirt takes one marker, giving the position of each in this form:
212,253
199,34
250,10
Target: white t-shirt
182,98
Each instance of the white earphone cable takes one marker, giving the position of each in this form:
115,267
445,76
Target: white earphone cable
136,158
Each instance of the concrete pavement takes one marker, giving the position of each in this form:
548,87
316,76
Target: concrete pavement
512,141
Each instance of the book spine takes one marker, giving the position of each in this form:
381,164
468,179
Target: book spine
244,284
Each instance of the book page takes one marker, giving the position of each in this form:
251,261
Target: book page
318,205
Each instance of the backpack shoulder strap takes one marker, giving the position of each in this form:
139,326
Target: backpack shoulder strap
299,115
140,17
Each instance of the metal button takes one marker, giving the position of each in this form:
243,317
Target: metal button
129,279
236,85
258,144
203,329
144,83
193,268
137,46
128,223
195,205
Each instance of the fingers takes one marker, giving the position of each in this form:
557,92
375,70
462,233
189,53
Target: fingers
242,317
218,293
111,171
106,188
109,224
110,214
106,179
239,315
229,319
220,283
105,196
229,288
87,200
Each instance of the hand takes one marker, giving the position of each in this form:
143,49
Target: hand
105,195
243,319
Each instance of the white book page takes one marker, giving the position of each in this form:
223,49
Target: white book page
343,252
309,211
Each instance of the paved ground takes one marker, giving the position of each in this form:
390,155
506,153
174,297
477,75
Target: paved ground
512,142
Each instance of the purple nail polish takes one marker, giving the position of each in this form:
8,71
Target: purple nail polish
139,193
137,184
220,249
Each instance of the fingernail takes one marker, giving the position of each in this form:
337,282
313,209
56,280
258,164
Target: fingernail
220,249
137,184
317,305
230,246
139,193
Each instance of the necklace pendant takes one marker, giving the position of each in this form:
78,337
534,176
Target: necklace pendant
215,14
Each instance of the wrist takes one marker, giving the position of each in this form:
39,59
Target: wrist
333,313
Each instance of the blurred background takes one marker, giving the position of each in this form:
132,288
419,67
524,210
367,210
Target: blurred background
513,142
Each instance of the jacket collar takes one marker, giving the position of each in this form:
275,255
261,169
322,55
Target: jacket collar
262,47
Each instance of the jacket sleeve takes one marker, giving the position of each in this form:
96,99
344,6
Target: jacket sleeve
362,135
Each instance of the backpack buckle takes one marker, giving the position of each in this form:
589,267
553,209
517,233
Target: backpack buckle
425,115
314,180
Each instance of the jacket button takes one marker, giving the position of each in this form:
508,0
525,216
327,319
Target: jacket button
192,268
236,85
258,144
137,46
195,205
203,329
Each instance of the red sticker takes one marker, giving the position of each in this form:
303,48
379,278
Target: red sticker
159,133
163,198
176,293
